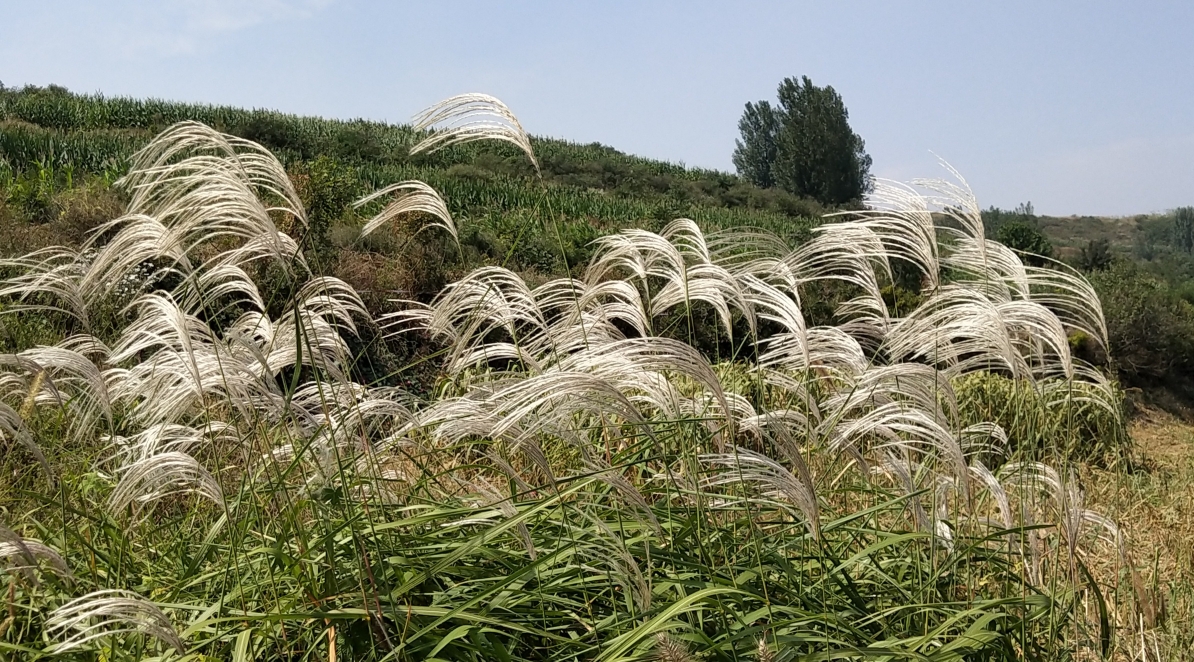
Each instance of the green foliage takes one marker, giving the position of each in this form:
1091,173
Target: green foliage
447,579
281,134
804,145
900,300
1183,228
1036,426
755,154
994,218
1149,325
34,191
1029,241
586,190
326,187
1096,255
346,520
81,209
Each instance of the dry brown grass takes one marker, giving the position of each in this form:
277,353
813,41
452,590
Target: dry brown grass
73,213
1154,503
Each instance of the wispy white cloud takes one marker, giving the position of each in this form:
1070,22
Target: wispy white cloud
182,27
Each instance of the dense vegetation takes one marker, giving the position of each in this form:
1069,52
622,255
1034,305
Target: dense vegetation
1143,270
685,438
54,141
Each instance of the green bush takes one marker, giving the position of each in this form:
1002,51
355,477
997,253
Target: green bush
81,209
1150,327
326,187
1029,241
1059,423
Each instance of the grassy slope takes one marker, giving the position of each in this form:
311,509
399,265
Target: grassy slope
1070,233
63,136
1154,503
1154,500
588,189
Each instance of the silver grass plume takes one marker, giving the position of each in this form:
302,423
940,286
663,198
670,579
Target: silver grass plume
12,426
174,156
192,187
70,375
469,117
109,613
410,197
772,479
56,271
611,550
24,555
901,470
1069,503
626,490
493,496
162,475
165,437
1007,517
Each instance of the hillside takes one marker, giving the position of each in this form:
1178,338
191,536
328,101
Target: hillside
52,140
61,152
708,443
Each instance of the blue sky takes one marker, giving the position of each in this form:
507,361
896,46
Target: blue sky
1079,107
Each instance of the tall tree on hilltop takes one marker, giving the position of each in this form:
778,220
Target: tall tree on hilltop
804,145
755,153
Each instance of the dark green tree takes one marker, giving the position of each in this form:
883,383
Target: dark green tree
755,153
1183,228
994,218
804,145
1096,255
1021,236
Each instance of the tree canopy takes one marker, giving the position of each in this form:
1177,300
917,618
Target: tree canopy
803,145
1183,221
1033,245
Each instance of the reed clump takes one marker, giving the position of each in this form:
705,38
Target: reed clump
586,484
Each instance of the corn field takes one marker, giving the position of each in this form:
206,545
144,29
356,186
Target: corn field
48,134
211,484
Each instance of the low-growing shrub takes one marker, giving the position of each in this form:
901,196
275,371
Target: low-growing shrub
1044,422
81,209
326,187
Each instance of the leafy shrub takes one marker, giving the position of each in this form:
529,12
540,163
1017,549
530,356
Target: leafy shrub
995,218
81,209
1096,255
356,142
1149,325
33,192
1053,424
1031,242
326,187
279,133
